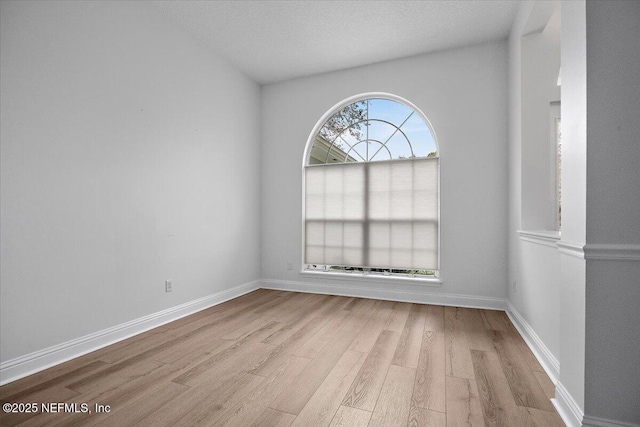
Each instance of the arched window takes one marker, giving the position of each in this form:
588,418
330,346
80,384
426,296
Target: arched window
371,200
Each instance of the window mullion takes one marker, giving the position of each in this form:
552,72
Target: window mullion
365,225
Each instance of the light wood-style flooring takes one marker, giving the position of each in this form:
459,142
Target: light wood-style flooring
275,358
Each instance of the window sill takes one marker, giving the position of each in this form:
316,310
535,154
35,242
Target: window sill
359,277
540,237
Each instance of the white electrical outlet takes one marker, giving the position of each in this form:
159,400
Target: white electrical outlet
289,266
168,285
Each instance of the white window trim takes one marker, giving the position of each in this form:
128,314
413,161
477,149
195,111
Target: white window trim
359,277
305,160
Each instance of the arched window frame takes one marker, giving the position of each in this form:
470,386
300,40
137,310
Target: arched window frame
434,279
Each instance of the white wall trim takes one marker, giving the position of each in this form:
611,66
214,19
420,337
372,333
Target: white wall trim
606,252
37,361
589,421
417,295
540,237
570,248
548,361
567,407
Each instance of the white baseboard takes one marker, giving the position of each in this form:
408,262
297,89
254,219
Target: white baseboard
567,407
37,361
417,295
564,403
589,421
548,361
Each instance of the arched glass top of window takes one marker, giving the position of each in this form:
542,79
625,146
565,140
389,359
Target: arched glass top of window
370,130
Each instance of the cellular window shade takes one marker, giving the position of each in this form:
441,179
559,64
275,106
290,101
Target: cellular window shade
376,214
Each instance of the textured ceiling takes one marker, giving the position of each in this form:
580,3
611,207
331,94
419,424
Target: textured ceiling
272,41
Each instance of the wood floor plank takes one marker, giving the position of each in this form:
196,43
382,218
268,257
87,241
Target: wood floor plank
245,330
15,393
303,334
478,335
420,417
190,349
394,402
493,388
408,350
525,388
304,386
362,311
365,340
353,303
231,323
116,378
235,351
545,382
274,303
254,304
290,346
39,378
191,360
325,326
317,341
429,387
457,346
51,394
297,307
298,318
221,370
226,311
539,418
498,406
309,321
314,324
526,353
398,317
435,318
365,389
272,418
324,403
463,403
114,394
244,413
511,328
350,417
107,371
135,412
496,320
216,325
148,341
204,404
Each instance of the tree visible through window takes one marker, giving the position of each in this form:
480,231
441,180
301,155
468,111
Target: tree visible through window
371,191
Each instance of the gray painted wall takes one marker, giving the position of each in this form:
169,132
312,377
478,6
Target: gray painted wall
540,63
612,370
464,95
130,155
